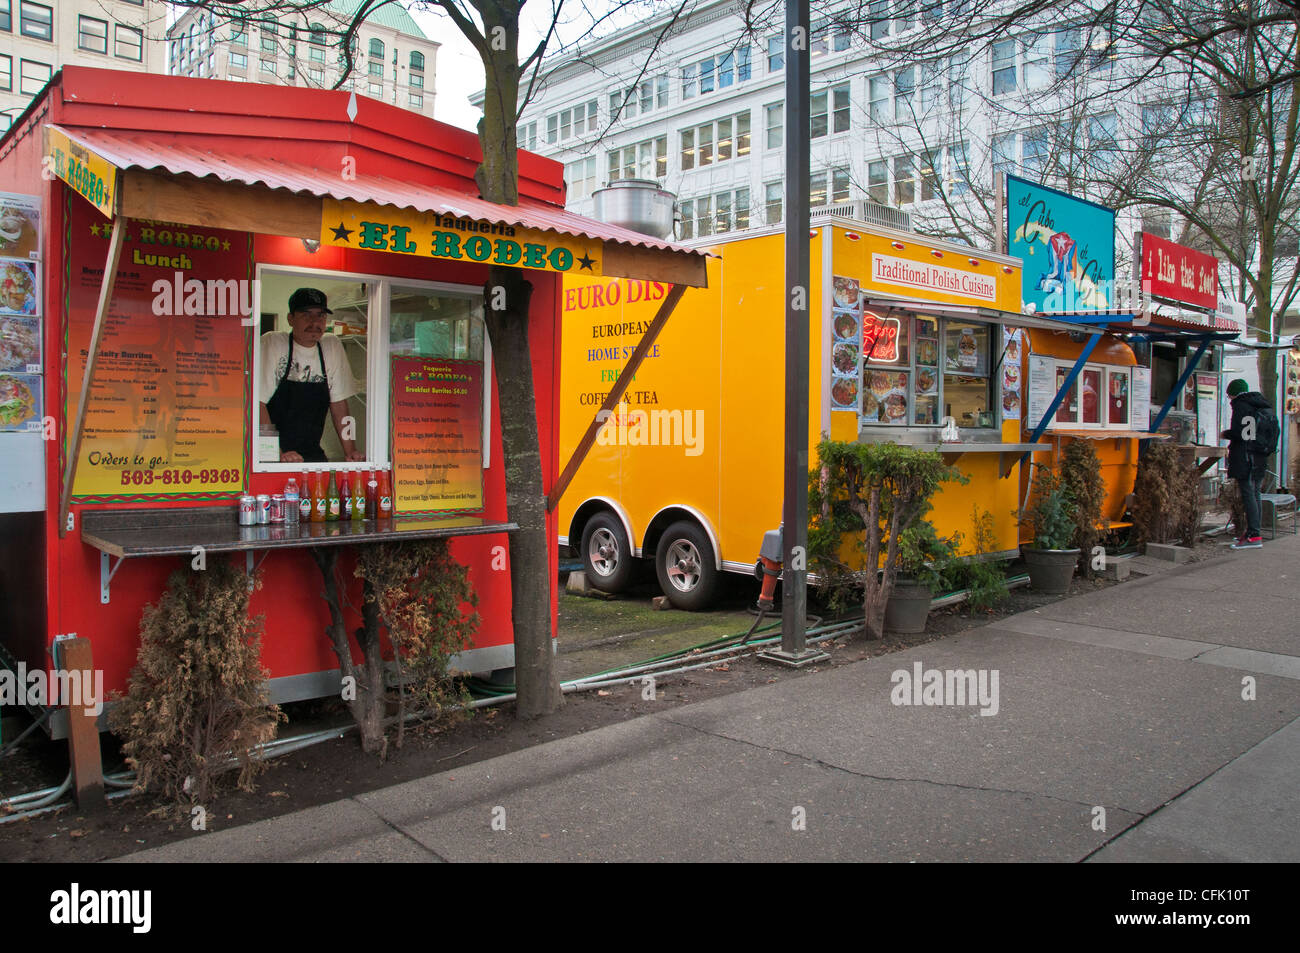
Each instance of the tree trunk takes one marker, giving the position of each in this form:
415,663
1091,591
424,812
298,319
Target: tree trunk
498,181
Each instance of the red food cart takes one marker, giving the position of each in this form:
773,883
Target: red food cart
165,223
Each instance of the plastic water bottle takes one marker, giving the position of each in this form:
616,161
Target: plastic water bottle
291,501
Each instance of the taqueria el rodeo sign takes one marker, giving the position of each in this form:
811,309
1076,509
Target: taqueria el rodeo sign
364,225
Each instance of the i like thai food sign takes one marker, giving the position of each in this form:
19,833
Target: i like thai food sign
1178,273
1067,246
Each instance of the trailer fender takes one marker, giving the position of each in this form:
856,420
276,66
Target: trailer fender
671,514
590,508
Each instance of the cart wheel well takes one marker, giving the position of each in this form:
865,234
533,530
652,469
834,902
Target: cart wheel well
672,514
585,512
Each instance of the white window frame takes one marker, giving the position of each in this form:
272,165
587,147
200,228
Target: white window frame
1106,371
378,424
83,34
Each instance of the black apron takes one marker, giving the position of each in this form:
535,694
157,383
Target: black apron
298,409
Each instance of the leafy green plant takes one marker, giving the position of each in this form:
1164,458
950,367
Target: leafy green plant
1051,516
1081,479
927,557
984,579
197,697
869,494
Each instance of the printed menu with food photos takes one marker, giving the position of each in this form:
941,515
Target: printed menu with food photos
21,310
1012,344
845,370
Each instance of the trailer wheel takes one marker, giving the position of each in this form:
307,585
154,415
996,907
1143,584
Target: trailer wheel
684,564
606,555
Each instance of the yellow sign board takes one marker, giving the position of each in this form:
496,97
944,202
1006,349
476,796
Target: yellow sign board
927,271
91,176
373,227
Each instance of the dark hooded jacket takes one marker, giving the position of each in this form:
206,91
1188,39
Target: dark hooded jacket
1241,460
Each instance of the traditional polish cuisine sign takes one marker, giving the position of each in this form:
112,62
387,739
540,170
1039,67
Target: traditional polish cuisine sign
437,415
366,225
166,412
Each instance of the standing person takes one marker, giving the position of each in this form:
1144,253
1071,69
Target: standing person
1251,439
306,374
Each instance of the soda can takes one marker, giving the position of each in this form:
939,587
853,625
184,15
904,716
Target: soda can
247,510
277,508
263,508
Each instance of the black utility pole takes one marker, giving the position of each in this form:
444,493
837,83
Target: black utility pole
794,583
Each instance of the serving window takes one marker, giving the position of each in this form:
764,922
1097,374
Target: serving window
1100,397
375,322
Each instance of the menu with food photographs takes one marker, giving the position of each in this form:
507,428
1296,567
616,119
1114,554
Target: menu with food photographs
20,226
1012,342
20,402
846,344
1293,382
20,312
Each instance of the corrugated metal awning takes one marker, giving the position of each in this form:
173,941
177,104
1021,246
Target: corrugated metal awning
130,151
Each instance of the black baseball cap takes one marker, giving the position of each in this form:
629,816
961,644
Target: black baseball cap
305,298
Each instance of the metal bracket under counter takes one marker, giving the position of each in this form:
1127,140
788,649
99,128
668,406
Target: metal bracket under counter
951,452
181,531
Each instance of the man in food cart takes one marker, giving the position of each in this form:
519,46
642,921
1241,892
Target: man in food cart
306,373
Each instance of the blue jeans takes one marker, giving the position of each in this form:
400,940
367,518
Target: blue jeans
1250,495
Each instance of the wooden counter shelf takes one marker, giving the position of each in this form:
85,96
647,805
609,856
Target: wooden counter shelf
136,533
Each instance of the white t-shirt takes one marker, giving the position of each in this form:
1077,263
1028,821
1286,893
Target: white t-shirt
306,365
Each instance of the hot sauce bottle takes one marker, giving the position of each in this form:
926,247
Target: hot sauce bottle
385,494
332,495
318,501
304,500
372,496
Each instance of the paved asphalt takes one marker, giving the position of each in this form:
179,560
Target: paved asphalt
1155,721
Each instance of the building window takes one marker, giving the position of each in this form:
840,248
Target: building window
316,76
416,100
581,176
1102,147
928,173
644,160
6,18
238,61
958,169
715,142
417,61
239,33
267,66
775,54
904,181
6,73
527,138
35,20
836,100
316,34
878,99
904,89
417,80
1004,155
774,120
1068,50
839,186
1036,149
32,76
817,189
92,34
571,122
1036,61
879,15
878,181
714,214
774,194
376,90
716,72
1004,67
377,48
376,69
128,43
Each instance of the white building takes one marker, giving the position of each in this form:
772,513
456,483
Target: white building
700,109
393,60
38,39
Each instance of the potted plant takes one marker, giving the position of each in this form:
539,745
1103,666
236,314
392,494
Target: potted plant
924,562
1051,560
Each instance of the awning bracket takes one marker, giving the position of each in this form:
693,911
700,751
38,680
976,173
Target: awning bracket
107,570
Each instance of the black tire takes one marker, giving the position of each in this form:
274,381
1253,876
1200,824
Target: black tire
685,566
606,556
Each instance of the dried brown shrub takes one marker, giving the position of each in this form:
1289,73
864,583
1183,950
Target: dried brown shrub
1166,498
1081,479
197,696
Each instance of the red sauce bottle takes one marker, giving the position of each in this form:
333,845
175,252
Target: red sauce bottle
385,494
372,496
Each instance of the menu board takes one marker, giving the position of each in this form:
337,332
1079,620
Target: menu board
437,414
1292,405
21,312
1142,398
1042,388
167,408
1012,342
1207,408
846,345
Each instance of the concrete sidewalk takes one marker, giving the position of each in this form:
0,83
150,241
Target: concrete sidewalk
1123,707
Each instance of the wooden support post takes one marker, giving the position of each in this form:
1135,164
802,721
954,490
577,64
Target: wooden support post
615,395
74,657
78,426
